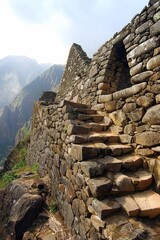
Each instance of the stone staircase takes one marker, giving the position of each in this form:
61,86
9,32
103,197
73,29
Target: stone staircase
116,176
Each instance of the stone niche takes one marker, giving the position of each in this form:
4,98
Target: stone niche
118,71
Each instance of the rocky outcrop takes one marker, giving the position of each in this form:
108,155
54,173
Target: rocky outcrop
21,203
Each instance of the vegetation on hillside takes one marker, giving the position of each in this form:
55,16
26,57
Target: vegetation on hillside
16,163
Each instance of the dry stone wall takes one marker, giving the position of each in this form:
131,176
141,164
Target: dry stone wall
121,83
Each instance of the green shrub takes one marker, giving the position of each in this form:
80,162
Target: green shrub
7,178
53,207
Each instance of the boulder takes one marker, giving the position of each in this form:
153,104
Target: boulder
144,101
152,115
23,212
148,138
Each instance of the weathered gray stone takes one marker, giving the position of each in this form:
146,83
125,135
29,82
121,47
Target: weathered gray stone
129,205
136,69
152,115
110,106
129,107
92,168
100,79
100,187
145,101
153,62
143,48
141,77
103,86
105,207
144,27
93,71
158,98
148,138
145,152
23,212
105,98
136,115
130,129
128,92
97,222
119,118
68,214
155,88
156,16
124,183
155,77
98,107
155,29
129,38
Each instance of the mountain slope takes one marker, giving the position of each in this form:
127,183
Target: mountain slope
13,117
15,73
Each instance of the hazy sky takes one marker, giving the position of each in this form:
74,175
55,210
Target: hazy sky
45,29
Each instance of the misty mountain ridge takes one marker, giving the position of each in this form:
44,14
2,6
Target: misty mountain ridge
19,111
15,73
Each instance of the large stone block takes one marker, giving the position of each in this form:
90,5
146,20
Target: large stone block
105,207
100,187
128,92
152,115
143,48
141,77
148,138
129,205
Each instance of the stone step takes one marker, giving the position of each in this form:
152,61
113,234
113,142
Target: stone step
119,149
102,137
100,166
105,207
129,205
131,182
90,118
100,187
141,179
96,127
148,203
131,162
144,204
92,150
85,111
73,104
86,151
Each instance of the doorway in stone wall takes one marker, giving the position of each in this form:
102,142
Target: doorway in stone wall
118,72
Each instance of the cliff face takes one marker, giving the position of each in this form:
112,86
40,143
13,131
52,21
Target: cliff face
100,145
14,116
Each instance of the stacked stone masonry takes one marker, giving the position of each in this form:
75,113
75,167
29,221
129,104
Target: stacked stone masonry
100,140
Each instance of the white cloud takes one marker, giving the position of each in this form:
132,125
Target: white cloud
45,29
